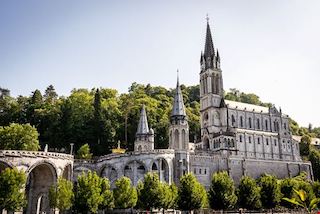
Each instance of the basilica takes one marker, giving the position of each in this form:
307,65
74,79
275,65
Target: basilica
240,138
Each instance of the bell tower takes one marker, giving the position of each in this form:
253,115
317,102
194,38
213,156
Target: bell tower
179,128
211,88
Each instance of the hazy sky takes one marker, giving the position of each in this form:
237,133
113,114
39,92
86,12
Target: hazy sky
270,48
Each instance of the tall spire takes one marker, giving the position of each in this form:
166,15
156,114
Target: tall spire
178,105
208,48
143,127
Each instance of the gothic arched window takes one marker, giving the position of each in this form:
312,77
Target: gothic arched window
258,123
233,121
250,122
241,121
266,124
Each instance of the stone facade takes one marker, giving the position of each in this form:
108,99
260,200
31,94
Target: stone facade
42,170
240,138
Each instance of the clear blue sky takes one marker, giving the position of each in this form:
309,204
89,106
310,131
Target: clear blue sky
269,47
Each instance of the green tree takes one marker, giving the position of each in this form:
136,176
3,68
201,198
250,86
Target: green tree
314,158
222,192
149,192
84,152
168,196
12,183
270,191
106,194
249,194
192,195
92,193
61,195
287,187
125,196
305,145
50,94
19,137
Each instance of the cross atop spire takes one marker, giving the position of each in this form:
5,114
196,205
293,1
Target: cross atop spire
207,18
208,48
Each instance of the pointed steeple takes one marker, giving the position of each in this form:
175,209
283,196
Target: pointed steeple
208,48
178,109
143,127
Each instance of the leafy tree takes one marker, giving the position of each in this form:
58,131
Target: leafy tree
106,194
92,193
301,200
61,195
12,196
287,187
50,94
168,196
305,145
125,196
249,194
149,192
84,152
270,191
192,195
314,158
19,137
222,191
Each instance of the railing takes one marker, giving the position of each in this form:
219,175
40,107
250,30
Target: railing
23,153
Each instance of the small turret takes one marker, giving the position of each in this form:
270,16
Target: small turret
144,136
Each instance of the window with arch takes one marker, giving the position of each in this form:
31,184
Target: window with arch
258,139
258,123
240,138
250,122
266,124
249,139
285,126
275,142
267,141
233,120
241,121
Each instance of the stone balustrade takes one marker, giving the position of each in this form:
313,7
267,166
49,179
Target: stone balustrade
35,154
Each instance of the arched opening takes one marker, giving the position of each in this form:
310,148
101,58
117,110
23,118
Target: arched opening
154,167
135,170
241,121
110,173
217,84
40,179
176,139
233,120
250,122
161,167
206,144
184,141
139,148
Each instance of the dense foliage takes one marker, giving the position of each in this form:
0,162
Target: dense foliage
270,191
101,117
12,183
249,194
222,192
19,137
125,196
61,195
191,194
92,193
